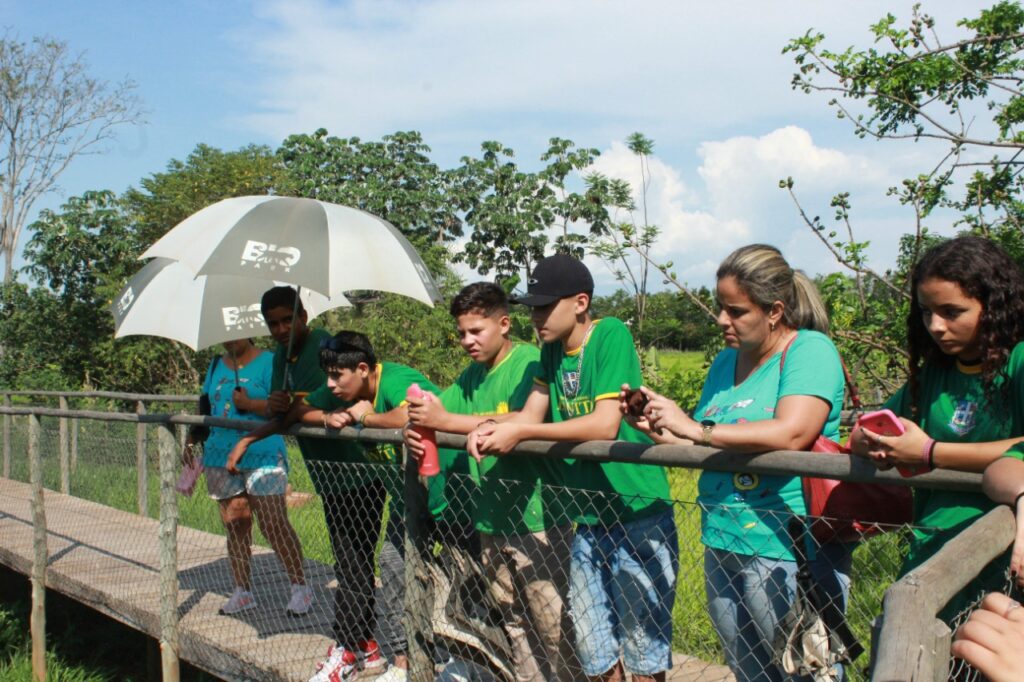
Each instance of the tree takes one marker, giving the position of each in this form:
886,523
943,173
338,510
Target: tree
206,176
512,211
965,95
51,111
631,236
392,178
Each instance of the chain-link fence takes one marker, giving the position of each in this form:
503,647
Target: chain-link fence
400,571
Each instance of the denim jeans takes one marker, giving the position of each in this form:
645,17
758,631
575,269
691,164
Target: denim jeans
748,597
622,583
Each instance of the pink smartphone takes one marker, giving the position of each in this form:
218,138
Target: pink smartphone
886,423
882,422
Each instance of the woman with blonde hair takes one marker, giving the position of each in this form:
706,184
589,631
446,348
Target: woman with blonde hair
777,385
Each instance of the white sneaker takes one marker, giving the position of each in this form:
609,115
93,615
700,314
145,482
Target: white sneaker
302,599
339,666
241,600
394,674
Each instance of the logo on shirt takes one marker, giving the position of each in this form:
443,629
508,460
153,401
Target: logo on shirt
965,416
738,405
270,256
744,481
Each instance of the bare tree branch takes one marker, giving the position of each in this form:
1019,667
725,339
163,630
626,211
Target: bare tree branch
51,112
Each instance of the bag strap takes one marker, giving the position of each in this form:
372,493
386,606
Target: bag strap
850,385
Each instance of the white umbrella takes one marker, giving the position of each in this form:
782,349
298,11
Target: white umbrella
310,243
167,299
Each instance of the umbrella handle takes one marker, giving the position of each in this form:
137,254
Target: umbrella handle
291,340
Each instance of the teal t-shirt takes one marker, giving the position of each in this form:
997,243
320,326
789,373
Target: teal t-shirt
305,376
220,386
393,381
746,513
512,497
953,410
610,492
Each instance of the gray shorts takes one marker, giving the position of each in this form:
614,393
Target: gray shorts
223,485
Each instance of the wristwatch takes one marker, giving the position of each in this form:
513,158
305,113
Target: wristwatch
706,427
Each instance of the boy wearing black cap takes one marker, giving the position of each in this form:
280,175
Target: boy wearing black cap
626,535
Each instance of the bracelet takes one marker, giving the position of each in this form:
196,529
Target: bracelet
927,452
362,419
325,419
1016,501
486,421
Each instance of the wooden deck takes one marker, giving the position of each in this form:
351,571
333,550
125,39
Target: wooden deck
109,560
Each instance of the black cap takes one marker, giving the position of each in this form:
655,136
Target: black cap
554,278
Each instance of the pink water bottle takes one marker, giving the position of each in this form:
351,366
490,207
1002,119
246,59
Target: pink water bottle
429,464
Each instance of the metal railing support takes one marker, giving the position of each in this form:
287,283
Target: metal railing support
141,462
168,554
65,450
37,620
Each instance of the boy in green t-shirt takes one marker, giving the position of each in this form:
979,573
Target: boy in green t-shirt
524,539
626,536
362,392
352,504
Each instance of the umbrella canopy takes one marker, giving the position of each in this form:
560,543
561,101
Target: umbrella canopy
310,243
167,299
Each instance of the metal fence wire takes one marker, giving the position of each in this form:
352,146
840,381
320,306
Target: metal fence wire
440,593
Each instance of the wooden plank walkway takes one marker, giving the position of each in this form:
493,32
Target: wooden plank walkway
109,560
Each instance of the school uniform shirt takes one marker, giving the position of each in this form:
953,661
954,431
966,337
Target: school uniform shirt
577,380
220,386
952,409
511,496
305,376
746,513
393,381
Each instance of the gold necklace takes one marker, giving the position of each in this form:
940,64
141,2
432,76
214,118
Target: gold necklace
571,380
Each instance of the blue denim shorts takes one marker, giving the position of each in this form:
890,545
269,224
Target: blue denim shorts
622,584
221,484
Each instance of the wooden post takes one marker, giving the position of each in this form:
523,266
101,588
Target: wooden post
419,595
65,450
168,554
141,462
74,444
37,621
7,438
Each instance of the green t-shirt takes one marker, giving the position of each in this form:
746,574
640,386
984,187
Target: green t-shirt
305,376
616,491
746,513
953,410
329,478
393,381
511,498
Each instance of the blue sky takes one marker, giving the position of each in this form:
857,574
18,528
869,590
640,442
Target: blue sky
706,80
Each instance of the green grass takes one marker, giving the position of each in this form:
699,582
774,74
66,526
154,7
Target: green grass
671,361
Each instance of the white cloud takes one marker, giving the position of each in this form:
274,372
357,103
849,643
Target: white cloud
675,69
737,200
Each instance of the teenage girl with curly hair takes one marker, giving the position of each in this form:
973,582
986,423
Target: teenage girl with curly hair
963,403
